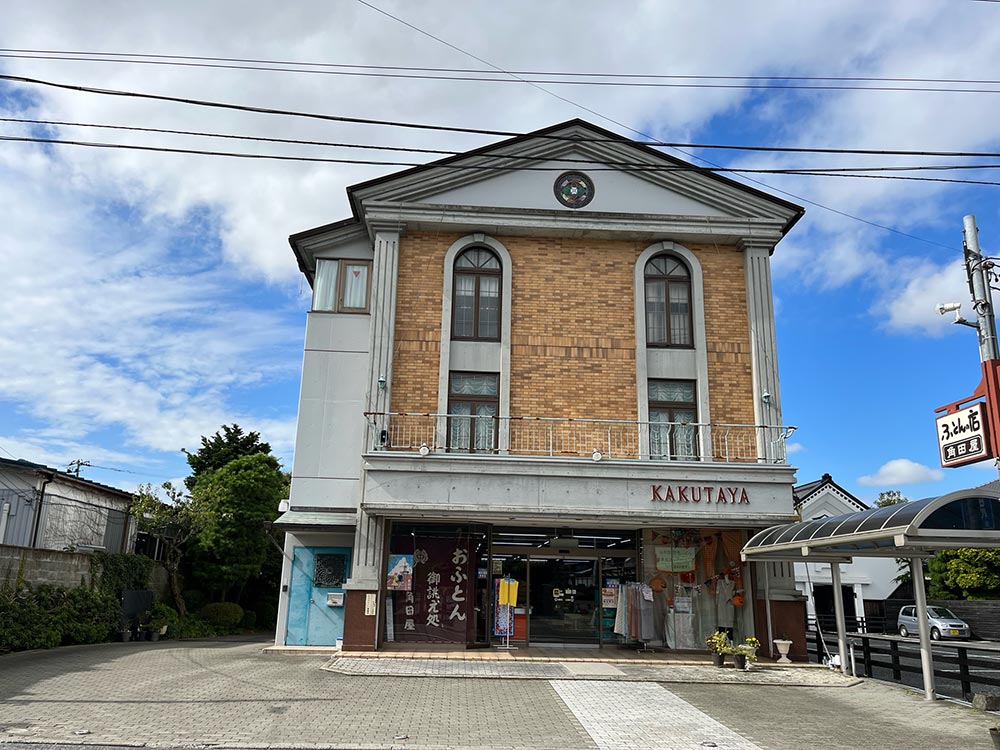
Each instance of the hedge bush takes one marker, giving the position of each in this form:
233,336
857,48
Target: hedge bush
49,616
193,626
225,615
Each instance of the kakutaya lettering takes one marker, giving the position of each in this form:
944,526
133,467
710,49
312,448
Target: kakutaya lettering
665,493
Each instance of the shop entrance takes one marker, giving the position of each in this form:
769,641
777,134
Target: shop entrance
565,596
564,601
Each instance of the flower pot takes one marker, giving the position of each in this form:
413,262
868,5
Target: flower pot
783,647
995,736
125,635
154,635
718,659
740,661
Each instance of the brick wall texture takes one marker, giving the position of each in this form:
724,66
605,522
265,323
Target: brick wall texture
573,327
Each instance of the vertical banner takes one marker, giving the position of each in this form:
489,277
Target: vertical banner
503,614
437,606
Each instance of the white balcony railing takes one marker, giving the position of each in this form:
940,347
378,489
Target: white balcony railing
576,438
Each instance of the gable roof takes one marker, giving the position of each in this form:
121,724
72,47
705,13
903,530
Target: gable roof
63,476
803,493
548,145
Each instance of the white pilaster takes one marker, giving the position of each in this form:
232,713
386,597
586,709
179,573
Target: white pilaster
763,347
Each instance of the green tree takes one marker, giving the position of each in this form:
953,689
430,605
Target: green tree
965,573
175,522
240,498
890,497
224,446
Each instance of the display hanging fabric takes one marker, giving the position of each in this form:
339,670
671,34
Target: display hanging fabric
503,613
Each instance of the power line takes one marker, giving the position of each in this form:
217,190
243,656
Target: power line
646,136
574,79
251,63
420,126
831,172
510,157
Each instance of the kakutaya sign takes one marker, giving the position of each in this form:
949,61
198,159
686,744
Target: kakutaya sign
678,493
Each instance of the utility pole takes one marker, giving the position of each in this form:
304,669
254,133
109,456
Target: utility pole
977,269
75,466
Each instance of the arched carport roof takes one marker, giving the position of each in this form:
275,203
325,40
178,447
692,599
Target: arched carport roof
967,518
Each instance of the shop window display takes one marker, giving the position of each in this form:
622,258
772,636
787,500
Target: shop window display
697,582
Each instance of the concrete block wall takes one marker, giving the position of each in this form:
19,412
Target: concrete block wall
44,566
573,327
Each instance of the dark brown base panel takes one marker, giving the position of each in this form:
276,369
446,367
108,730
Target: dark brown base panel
788,620
359,628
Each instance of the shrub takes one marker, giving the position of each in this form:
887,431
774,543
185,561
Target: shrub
163,615
118,572
224,615
193,626
48,616
267,613
249,619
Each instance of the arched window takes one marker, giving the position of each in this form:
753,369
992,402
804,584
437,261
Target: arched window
476,303
668,302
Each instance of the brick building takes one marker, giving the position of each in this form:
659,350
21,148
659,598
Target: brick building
552,361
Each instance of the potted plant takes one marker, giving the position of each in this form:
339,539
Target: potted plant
161,617
719,645
783,645
745,653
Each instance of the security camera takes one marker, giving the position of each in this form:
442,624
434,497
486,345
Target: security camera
947,307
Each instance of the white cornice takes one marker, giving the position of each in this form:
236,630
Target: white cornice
546,222
723,195
696,472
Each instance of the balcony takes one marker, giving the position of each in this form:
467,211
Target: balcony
591,439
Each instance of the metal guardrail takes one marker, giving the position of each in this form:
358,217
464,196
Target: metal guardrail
580,438
871,652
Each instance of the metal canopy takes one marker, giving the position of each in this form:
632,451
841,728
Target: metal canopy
967,518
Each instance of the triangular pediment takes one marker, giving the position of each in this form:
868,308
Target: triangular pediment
627,178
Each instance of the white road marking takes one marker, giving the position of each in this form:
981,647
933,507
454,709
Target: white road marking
643,716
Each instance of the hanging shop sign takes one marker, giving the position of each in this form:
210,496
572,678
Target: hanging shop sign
699,494
962,436
436,607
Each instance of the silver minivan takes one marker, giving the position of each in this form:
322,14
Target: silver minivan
942,620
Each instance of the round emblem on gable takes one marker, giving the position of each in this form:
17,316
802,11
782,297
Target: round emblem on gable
574,189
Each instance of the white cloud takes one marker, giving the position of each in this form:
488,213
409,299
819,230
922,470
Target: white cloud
901,471
794,448
129,278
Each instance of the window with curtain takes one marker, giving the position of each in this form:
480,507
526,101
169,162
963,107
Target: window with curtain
476,296
668,302
325,286
672,414
473,403
341,285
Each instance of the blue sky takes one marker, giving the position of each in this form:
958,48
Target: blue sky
148,299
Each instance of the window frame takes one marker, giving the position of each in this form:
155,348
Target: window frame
670,407
339,306
477,274
666,281
472,400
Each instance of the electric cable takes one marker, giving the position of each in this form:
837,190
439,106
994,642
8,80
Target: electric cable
447,152
490,77
832,172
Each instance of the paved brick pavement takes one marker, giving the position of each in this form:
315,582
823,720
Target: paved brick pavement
225,693
871,715
679,673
